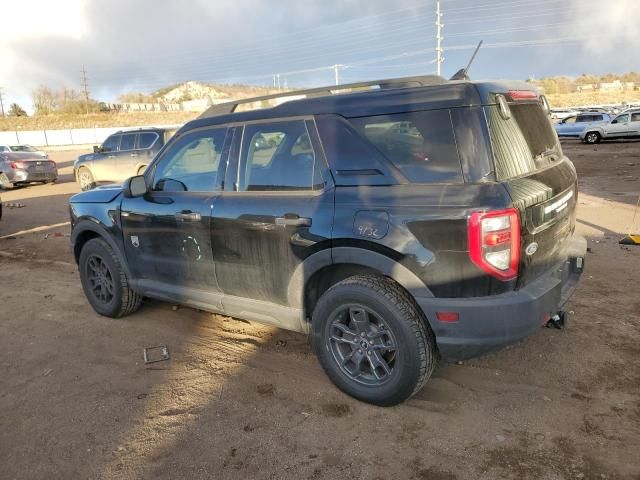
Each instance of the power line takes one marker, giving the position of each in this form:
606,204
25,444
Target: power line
85,87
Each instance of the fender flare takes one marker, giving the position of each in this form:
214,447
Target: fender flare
94,226
358,256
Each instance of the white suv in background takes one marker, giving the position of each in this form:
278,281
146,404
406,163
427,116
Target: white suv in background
625,125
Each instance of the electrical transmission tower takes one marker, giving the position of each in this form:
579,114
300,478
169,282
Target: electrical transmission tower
85,88
439,25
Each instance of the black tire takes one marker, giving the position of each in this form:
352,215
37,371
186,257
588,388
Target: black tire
394,320
115,301
592,138
85,179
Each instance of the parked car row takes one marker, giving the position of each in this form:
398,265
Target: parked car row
594,127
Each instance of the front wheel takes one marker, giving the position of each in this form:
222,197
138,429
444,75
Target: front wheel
592,138
105,282
85,179
372,340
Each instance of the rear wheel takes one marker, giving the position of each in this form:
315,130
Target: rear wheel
372,340
592,138
85,179
104,281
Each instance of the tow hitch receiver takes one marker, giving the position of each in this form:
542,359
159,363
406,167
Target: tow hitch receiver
557,320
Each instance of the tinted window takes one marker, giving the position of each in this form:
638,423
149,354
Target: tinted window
596,118
420,144
583,118
622,118
192,163
635,117
111,143
278,156
146,139
523,143
128,141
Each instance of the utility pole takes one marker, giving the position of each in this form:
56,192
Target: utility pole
336,71
85,87
1,103
439,26
274,80
278,78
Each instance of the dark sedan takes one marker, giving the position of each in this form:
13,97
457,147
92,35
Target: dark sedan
23,168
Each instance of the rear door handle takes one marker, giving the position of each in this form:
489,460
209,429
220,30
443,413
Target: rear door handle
188,216
293,221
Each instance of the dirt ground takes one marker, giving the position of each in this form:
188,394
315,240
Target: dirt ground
239,400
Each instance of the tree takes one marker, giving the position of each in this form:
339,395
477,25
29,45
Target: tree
16,110
44,100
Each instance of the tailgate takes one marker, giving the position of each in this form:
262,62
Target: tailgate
547,204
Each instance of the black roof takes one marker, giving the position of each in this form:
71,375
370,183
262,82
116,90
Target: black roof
391,96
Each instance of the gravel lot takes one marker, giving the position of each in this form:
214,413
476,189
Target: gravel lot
238,400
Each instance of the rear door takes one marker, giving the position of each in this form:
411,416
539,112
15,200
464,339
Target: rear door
542,183
276,210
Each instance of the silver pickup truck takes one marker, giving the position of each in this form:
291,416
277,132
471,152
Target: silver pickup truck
625,125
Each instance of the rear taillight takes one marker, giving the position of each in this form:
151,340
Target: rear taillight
15,165
494,242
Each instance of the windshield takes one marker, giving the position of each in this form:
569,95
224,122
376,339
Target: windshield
524,143
23,148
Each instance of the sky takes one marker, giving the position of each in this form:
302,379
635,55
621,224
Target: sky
143,45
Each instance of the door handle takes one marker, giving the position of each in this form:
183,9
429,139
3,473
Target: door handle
187,216
293,221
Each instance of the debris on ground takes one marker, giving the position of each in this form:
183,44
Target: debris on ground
159,353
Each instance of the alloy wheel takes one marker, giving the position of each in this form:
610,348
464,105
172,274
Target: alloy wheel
362,345
100,279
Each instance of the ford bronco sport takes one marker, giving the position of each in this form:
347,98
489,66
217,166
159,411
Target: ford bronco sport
395,222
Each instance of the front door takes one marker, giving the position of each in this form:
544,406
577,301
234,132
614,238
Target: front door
619,127
166,232
277,210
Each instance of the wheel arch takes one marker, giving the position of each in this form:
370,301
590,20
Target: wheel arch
322,270
86,230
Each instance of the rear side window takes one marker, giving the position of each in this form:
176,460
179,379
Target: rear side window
523,143
146,139
635,117
420,144
278,157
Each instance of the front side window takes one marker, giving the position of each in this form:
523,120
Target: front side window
112,143
571,120
278,157
420,144
192,163
621,118
128,141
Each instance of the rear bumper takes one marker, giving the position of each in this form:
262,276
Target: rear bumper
24,176
486,324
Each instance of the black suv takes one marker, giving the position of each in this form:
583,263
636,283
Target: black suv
396,225
122,155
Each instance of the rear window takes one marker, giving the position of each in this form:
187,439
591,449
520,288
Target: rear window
419,144
524,143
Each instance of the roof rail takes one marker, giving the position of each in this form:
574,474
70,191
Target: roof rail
279,98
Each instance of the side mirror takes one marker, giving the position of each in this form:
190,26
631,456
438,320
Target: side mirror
134,186
96,149
614,121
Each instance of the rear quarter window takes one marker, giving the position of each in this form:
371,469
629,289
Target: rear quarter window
421,145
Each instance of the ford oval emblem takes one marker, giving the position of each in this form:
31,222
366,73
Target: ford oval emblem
531,248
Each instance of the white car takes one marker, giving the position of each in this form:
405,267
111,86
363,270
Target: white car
624,125
562,113
23,148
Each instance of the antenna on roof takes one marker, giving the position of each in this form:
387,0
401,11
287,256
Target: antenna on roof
463,73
